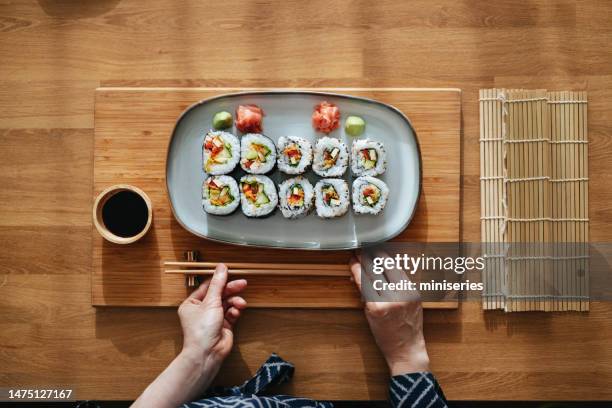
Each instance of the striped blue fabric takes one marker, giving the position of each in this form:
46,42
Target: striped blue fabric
416,390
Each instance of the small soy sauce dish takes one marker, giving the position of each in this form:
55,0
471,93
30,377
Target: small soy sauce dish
122,214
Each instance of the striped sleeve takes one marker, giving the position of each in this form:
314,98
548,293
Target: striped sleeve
416,390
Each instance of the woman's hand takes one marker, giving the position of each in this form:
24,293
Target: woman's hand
207,316
397,328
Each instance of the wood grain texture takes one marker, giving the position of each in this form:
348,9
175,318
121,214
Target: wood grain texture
55,53
132,131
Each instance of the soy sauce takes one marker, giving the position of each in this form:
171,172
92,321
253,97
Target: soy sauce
125,214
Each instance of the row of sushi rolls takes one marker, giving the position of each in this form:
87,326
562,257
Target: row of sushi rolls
296,197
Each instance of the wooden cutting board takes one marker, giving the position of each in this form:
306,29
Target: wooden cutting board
132,130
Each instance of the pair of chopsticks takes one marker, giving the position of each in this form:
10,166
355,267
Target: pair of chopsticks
254,269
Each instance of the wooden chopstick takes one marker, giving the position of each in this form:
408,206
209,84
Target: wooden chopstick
266,272
258,266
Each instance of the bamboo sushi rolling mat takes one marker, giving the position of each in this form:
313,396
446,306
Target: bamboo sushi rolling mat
534,199
132,130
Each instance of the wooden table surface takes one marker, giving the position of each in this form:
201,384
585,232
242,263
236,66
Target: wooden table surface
55,53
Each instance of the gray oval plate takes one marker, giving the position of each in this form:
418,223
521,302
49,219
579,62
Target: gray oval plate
288,113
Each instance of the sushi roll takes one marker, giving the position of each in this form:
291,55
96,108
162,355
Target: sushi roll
294,154
331,198
258,153
330,157
220,195
257,196
368,158
220,152
369,195
296,197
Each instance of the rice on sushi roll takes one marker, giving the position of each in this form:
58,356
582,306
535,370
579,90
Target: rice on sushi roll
330,157
258,153
220,195
220,152
331,198
369,195
257,195
294,154
368,158
296,197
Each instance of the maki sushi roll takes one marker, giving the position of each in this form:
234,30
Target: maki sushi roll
331,198
330,157
296,197
257,195
220,152
294,154
369,195
220,195
258,153
368,158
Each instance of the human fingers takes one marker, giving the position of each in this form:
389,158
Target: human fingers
200,292
355,268
364,280
235,301
232,315
217,285
234,287
396,275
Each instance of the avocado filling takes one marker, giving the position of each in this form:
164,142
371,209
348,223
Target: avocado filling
368,158
330,196
295,196
293,153
330,157
370,195
254,192
257,154
219,151
219,194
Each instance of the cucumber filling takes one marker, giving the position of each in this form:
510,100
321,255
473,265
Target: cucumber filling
370,195
369,158
295,196
219,195
219,151
330,157
254,192
330,196
293,154
256,154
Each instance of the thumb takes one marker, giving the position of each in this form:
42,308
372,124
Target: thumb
217,285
